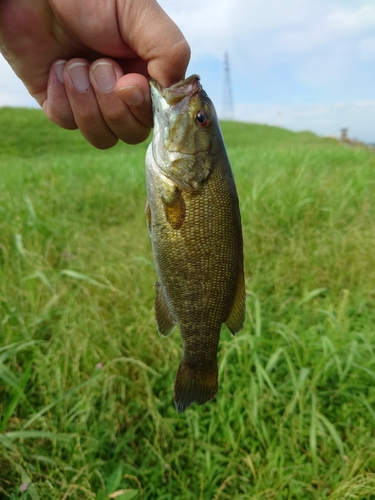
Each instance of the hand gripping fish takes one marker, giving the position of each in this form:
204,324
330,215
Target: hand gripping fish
195,227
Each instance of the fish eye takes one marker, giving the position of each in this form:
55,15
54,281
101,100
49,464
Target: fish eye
202,119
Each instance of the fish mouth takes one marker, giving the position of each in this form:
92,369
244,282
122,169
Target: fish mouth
179,91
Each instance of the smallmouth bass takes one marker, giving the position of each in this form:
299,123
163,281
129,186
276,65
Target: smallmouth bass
194,223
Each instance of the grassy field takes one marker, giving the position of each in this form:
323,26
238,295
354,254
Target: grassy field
86,383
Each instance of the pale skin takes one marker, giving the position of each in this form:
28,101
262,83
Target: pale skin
87,62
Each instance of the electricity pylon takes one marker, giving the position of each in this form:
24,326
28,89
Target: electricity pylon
228,113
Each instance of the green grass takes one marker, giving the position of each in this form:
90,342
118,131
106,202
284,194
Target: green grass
86,383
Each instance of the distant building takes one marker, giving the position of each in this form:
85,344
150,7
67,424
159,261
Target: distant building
344,134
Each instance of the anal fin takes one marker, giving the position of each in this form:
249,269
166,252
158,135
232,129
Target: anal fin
163,316
236,317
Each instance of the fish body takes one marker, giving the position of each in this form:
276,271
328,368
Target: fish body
195,227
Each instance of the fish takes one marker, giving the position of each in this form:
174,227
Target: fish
194,222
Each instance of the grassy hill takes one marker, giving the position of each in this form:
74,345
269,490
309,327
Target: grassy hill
86,383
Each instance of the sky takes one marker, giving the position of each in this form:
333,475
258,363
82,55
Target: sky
299,64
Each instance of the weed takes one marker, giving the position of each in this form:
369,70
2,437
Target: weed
86,383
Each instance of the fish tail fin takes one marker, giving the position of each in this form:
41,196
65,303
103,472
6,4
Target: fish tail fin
192,386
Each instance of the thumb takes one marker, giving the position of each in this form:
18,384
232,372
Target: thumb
152,34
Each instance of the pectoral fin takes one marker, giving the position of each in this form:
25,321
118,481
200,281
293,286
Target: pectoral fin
148,216
236,316
164,318
174,208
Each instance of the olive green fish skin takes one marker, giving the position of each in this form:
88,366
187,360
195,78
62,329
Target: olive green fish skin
195,228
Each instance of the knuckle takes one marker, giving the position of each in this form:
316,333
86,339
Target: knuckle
65,121
136,136
108,143
114,116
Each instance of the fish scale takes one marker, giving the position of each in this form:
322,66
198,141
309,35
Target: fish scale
195,228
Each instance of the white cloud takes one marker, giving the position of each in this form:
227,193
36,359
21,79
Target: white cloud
296,24
260,33
353,20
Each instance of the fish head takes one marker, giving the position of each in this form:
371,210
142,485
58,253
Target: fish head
185,123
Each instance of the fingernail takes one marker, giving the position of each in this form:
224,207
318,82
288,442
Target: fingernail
79,74
104,76
59,68
132,95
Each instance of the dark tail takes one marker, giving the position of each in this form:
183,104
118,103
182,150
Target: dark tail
193,386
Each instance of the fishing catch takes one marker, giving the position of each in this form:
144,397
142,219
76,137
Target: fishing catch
194,223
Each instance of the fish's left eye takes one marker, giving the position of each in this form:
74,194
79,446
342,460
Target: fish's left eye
202,119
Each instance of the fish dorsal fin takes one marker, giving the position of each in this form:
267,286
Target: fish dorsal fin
236,316
163,316
174,208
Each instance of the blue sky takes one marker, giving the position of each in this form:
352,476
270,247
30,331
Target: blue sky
301,64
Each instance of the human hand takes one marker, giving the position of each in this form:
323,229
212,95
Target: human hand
87,62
